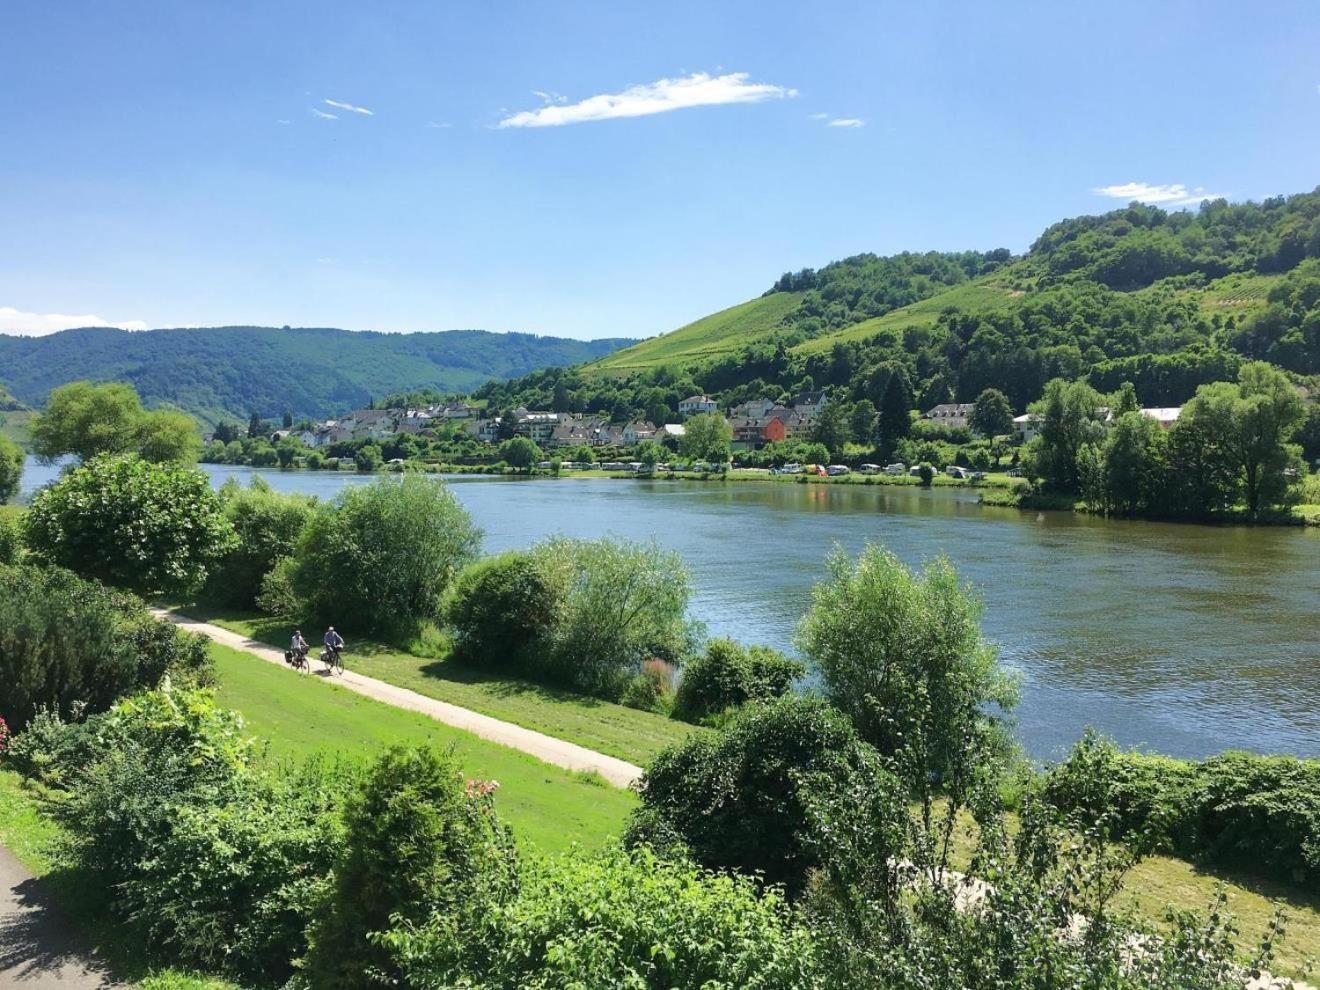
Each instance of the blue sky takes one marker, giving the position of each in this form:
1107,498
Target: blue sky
595,169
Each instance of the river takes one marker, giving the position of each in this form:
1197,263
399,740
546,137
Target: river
1181,638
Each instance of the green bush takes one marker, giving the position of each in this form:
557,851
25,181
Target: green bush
624,603
233,886
420,841
11,468
1260,814
379,557
614,919
728,675
267,525
148,527
502,608
11,535
738,799
152,756
66,642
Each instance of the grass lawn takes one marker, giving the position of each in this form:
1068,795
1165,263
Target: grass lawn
599,725
548,808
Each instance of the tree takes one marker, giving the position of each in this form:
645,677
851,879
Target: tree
739,799
503,610
267,524
1071,414
154,528
862,420
1135,467
169,435
992,416
520,453
11,468
288,419
729,675
1125,400
379,557
648,452
1247,428
86,420
421,841
368,458
257,427
831,428
894,421
901,654
707,437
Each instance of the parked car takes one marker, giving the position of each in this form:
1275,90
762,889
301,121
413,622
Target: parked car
897,467
792,468
835,470
915,470
869,469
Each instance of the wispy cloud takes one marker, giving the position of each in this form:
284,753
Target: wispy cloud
820,116
436,125
696,90
283,121
550,97
15,321
323,115
1173,194
847,122
350,108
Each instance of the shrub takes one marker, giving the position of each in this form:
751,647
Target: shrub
267,525
11,468
624,603
122,520
232,887
652,688
419,842
729,675
277,596
1237,810
150,757
502,608
66,642
11,536
380,556
738,799
614,919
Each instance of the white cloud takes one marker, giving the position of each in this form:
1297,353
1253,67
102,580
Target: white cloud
323,115
847,122
550,97
437,125
349,107
283,121
696,90
16,321
1173,194
820,116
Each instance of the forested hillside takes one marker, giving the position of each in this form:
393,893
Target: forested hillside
234,371
1165,300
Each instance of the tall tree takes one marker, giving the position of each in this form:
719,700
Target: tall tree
11,468
707,437
896,403
862,420
831,427
86,420
992,416
1071,415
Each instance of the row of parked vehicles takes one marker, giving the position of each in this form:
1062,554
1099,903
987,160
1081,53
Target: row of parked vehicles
837,470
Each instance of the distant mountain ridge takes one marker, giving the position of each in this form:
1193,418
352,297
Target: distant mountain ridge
231,372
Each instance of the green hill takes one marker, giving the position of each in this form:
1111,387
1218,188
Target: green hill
230,372
1165,300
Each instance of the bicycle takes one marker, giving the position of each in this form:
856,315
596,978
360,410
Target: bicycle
297,659
333,660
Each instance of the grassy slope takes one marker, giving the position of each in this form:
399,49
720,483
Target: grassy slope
710,337
607,728
548,808
14,425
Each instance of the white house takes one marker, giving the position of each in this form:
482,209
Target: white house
1166,416
1027,426
694,404
955,414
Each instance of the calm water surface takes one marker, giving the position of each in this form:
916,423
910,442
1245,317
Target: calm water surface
1185,639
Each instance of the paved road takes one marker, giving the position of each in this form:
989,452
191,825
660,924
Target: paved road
547,748
39,949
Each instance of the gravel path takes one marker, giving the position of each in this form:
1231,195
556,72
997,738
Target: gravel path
547,748
39,949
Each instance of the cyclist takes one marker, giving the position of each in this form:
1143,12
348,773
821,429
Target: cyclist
334,642
298,646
